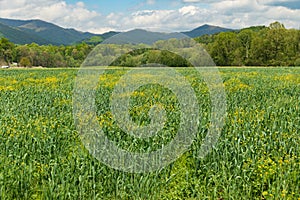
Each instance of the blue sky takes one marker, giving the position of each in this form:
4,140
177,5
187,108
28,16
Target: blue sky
109,6
100,16
105,6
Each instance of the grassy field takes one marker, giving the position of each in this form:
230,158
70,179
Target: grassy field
257,157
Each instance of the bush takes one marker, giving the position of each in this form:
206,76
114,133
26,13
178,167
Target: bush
297,62
25,62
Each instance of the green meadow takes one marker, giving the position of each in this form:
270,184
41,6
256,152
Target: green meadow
257,155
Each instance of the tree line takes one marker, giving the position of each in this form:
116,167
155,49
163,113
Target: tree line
255,46
45,55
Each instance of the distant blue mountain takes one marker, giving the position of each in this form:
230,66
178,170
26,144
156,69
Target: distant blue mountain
42,33
206,30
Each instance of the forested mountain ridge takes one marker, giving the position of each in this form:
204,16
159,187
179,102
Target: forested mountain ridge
43,33
206,30
18,36
40,32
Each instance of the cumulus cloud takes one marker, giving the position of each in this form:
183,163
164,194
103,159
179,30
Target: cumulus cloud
56,11
275,1
226,13
241,13
183,18
189,10
237,6
292,4
250,12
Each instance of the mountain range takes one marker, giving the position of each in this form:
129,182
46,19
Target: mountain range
43,33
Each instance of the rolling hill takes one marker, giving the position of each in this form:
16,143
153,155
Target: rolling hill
20,37
138,36
42,33
206,30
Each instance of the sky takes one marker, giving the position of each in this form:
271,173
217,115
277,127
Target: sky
99,16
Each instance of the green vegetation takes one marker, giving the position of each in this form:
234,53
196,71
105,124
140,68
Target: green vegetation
94,40
257,156
41,32
6,50
150,56
18,36
45,56
256,46
206,30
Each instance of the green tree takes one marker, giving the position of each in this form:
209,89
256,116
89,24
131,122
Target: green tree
243,52
259,49
223,49
275,38
25,62
292,46
6,50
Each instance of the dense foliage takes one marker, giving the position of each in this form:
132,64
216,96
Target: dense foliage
45,55
256,46
143,57
257,156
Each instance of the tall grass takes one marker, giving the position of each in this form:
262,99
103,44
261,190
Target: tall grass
257,156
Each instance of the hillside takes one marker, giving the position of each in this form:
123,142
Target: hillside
138,36
20,37
40,32
206,30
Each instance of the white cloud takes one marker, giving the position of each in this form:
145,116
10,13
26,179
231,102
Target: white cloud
274,1
181,19
55,11
241,13
230,7
227,13
292,4
189,10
